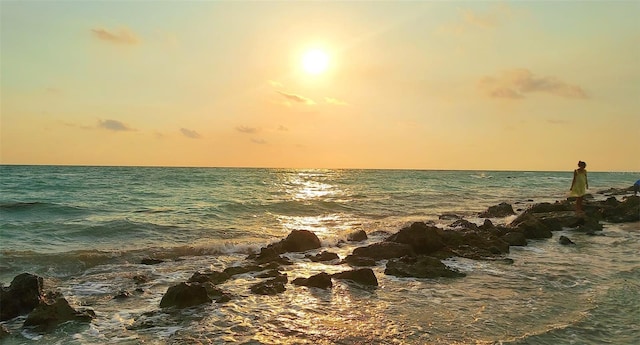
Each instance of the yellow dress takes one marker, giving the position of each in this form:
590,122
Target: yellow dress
580,184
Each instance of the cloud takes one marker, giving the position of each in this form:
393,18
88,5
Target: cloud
282,128
258,141
471,21
113,125
189,133
296,98
516,83
246,129
335,101
123,36
276,84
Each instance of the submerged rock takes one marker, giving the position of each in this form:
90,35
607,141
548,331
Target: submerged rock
270,287
420,267
565,241
324,256
320,280
185,295
364,276
357,236
384,250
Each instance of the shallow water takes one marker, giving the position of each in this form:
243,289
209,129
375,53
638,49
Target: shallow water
85,231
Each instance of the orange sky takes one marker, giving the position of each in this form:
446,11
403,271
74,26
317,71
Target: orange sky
408,85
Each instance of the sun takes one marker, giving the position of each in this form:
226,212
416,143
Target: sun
315,61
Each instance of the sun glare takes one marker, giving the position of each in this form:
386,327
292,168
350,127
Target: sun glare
315,61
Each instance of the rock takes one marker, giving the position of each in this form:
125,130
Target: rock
565,241
320,280
357,236
270,287
122,295
531,227
464,224
384,250
420,267
271,254
498,211
4,332
21,297
487,225
623,212
300,241
151,261
359,261
140,278
422,238
215,277
215,293
449,216
46,316
324,256
515,238
185,295
364,276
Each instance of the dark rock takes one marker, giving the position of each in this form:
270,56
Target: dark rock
151,261
46,316
21,297
487,225
359,260
122,295
420,267
449,216
140,278
531,227
422,238
320,280
269,274
384,250
270,254
464,224
357,236
215,293
364,276
624,212
515,238
498,211
215,277
269,287
4,332
565,241
185,295
324,256
300,241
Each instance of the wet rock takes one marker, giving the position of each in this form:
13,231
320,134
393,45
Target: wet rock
4,332
449,216
515,238
531,227
357,236
354,260
123,295
151,261
422,238
464,224
215,277
420,267
46,316
270,287
384,250
21,297
140,278
621,212
364,276
185,295
320,280
498,211
324,256
216,293
565,241
270,254
487,225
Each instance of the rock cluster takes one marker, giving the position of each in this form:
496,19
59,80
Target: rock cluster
416,250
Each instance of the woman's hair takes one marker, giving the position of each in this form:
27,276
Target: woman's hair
582,164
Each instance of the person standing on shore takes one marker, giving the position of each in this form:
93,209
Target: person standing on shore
579,185
636,187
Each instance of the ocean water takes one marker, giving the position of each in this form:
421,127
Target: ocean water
86,229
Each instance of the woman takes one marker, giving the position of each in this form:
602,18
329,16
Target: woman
579,185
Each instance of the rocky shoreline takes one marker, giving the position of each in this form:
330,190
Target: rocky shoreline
413,251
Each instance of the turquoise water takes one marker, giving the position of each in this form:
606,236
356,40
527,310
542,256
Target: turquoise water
85,229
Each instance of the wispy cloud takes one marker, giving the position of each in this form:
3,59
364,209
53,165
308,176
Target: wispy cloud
189,133
276,84
283,128
296,98
122,36
335,101
258,141
516,83
247,129
471,21
113,125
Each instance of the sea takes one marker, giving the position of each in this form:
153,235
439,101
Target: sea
86,230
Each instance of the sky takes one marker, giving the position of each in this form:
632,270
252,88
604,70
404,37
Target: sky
447,85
